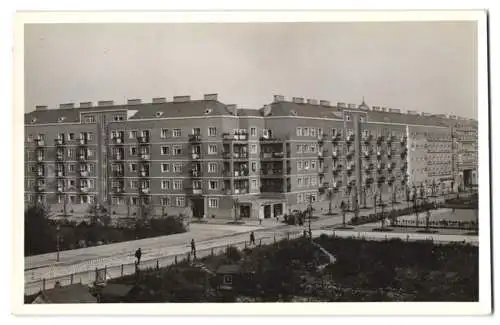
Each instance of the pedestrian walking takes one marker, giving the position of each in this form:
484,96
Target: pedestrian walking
252,238
193,248
138,255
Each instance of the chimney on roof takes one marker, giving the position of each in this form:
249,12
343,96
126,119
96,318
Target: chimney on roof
278,98
351,106
67,105
158,100
40,108
341,105
312,101
105,103
85,104
394,110
182,99
232,108
210,97
324,103
134,101
298,100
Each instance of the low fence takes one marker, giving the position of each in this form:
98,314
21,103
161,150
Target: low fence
90,275
110,272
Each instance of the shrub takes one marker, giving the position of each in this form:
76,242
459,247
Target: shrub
233,254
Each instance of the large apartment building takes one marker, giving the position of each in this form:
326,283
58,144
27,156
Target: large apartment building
222,160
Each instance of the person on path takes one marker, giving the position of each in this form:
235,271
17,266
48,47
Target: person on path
193,248
138,255
252,238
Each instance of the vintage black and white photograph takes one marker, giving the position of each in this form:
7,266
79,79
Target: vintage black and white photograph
254,162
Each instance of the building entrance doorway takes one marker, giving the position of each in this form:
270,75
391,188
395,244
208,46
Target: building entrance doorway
278,209
245,211
267,211
198,205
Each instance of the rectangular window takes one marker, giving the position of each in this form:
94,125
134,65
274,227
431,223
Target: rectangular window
313,132
132,167
132,134
254,184
90,136
165,150
164,133
177,168
177,150
254,166
30,138
212,149
314,180
313,148
212,167
118,118
71,153
213,203
253,148
212,185
180,201
299,148
299,165
133,151
212,131
305,132
165,201
176,133
177,184
313,164
165,168
306,164
253,132
306,181
299,132
89,119
165,185
133,184
299,181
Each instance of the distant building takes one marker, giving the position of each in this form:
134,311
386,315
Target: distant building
222,160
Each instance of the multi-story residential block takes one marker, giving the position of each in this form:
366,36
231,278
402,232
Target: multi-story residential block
220,160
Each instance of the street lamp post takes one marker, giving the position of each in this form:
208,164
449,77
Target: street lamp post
57,242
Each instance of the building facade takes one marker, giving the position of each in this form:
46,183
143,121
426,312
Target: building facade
211,159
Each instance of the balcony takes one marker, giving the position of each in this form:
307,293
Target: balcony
335,154
144,190
84,189
390,139
84,174
194,138
39,142
196,191
82,141
403,140
59,157
60,189
240,191
350,138
240,155
235,137
117,140
321,138
39,188
272,172
240,173
118,157
380,139
59,173
336,137
118,173
117,189
144,156
82,157
39,158
195,173
143,140
367,153
367,138
59,141
143,173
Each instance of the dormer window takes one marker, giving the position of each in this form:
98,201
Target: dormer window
61,119
33,120
208,111
159,114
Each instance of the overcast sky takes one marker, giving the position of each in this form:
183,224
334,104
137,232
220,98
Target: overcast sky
423,66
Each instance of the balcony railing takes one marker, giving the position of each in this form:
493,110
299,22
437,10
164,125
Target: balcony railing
235,137
83,141
143,139
117,189
82,157
240,155
117,140
195,173
240,191
39,142
144,190
84,189
59,141
350,137
84,174
118,157
59,157
367,138
144,156
143,173
240,173
118,173
194,138
197,191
